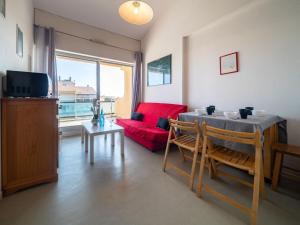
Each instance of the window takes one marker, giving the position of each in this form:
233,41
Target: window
116,88
77,88
79,80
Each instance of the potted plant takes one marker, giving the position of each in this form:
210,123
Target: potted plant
95,110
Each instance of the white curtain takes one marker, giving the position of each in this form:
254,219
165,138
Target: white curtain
44,60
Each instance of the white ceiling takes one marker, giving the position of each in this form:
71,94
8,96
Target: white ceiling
102,13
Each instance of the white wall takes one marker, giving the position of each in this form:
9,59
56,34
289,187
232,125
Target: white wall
266,34
78,45
21,13
165,37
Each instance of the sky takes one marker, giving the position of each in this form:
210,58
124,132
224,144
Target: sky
84,73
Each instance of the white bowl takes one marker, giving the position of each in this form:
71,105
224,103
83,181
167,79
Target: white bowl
231,115
201,111
259,112
218,113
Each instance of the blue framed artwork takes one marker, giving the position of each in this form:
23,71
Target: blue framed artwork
160,71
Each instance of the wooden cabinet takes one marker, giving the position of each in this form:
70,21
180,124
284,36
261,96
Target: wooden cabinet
29,142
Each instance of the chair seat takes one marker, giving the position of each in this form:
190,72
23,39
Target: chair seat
233,158
186,141
287,149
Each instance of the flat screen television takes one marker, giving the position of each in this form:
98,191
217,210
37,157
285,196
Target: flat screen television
25,84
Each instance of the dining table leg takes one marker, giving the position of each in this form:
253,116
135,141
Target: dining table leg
270,137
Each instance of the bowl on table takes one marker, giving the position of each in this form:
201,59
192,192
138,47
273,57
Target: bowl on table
213,107
231,115
201,111
259,113
250,109
218,113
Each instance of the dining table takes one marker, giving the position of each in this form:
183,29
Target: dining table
267,125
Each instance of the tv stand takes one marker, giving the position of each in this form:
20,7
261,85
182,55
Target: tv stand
29,142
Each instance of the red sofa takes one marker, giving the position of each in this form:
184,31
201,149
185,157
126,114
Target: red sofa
145,132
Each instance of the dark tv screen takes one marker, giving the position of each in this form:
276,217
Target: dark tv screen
26,84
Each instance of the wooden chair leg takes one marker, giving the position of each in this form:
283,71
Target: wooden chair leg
256,187
277,169
213,169
210,169
192,177
166,155
262,181
202,166
182,153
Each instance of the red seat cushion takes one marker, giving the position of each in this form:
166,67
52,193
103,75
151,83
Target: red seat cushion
144,130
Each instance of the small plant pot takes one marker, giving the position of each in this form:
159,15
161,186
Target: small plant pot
94,121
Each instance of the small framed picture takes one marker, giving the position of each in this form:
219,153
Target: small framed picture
19,42
2,7
229,63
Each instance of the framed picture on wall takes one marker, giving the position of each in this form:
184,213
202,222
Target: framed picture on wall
2,8
19,42
229,63
160,71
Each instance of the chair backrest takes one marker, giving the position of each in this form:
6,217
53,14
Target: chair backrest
185,126
233,136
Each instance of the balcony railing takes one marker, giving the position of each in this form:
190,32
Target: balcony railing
69,111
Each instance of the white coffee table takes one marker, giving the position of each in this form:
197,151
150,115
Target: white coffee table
89,131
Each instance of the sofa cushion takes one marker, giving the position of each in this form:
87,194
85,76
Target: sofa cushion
131,124
144,130
137,116
163,124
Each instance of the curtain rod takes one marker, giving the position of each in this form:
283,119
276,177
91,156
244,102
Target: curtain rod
95,41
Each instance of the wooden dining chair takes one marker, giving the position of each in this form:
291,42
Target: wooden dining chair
186,136
252,163
281,150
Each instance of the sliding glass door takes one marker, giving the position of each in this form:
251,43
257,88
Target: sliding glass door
81,81
116,89
77,88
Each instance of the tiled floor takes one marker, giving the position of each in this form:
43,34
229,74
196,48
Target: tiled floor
133,191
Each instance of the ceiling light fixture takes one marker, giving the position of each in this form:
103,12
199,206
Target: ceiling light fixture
136,12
